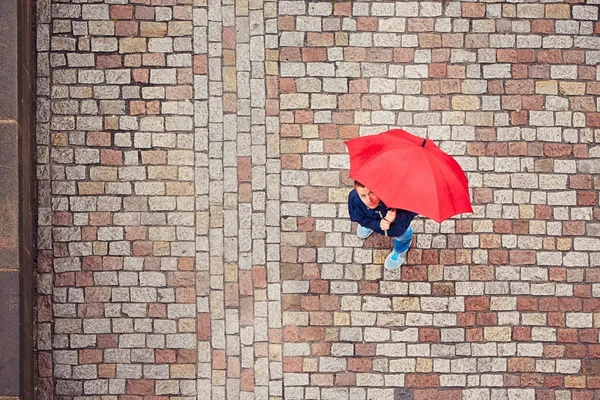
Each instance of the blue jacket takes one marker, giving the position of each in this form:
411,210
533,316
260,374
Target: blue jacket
370,218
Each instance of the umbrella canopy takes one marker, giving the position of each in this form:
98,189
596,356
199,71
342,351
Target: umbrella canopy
409,172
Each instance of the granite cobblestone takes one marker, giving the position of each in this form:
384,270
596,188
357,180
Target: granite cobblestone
501,77
193,237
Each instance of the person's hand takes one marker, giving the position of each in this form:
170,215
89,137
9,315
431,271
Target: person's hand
391,215
385,225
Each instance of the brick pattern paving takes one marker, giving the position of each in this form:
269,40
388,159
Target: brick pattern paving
193,235
502,298
118,198
43,315
237,190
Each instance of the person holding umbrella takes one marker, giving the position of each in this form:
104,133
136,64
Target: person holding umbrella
398,175
373,215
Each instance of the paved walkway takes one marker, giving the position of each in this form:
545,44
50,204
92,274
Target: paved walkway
193,236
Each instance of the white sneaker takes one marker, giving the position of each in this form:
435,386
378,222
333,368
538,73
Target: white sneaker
394,260
363,232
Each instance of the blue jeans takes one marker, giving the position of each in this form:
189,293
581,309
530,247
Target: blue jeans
402,242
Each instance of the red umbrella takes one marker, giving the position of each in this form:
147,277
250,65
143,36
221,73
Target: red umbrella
409,172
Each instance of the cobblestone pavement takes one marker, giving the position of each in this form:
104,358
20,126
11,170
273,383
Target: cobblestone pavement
194,241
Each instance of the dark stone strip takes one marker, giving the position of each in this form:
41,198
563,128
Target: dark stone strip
26,70
9,332
16,218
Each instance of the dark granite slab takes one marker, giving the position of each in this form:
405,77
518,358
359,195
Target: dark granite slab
9,196
8,60
9,333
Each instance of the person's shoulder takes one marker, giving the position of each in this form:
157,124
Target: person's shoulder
353,198
407,213
404,211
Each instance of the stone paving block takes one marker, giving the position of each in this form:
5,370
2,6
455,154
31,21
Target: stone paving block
9,366
202,248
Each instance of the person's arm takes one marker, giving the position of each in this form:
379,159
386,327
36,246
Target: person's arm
403,219
371,223
357,216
